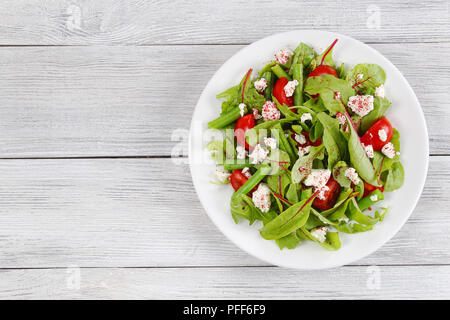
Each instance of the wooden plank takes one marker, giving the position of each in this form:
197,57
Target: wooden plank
69,22
384,282
127,101
145,213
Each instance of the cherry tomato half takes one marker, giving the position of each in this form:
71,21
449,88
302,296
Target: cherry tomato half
237,179
242,125
330,195
278,92
321,70
372,136
308,142
368,189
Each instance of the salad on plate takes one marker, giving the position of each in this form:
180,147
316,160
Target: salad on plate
307,148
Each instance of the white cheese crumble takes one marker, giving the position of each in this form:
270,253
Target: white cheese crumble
241,153
342,119
261,197
258,155
374,198
270,142
256,114
260,85
270,111
303,151
379,91
221,175
289,88
320,234
306,116
359,76
388,150
352,175
300,138
242,109
361,105
382,134
369,150
283,55
318,179
246,172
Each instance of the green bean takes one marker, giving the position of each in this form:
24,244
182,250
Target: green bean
231,166
283,141
226,118
366,202
280,73
267,67
297,74
269,76
252,182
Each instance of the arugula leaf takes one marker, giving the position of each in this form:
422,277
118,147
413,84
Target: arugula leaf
380,105
288,221
358,157
305,163
365,77
290,241
315,104
217,150
326,87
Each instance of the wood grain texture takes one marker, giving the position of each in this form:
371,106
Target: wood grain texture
145,213
126,101
79,22
395,282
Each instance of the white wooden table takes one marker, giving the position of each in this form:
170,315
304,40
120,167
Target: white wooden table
91,205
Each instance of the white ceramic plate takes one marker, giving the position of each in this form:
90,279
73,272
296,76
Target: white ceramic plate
405,114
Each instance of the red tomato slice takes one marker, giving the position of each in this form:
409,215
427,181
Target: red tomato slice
237,179
331,196
316,143
278,92
321,70
368,189
242,125
372,137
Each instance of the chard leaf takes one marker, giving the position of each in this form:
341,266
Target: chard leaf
383,163
240,209
315,104
303,54
291,194
339,174
326,86
278,183
380,105
331,126
395,177
278,160
303,166
288,221
372,76
325,58
358,157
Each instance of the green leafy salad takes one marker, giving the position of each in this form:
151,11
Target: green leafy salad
307,148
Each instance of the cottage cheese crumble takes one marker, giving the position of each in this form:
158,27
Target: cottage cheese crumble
261,197
352,175
289,88
361,105
260,85
270,111
258,155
